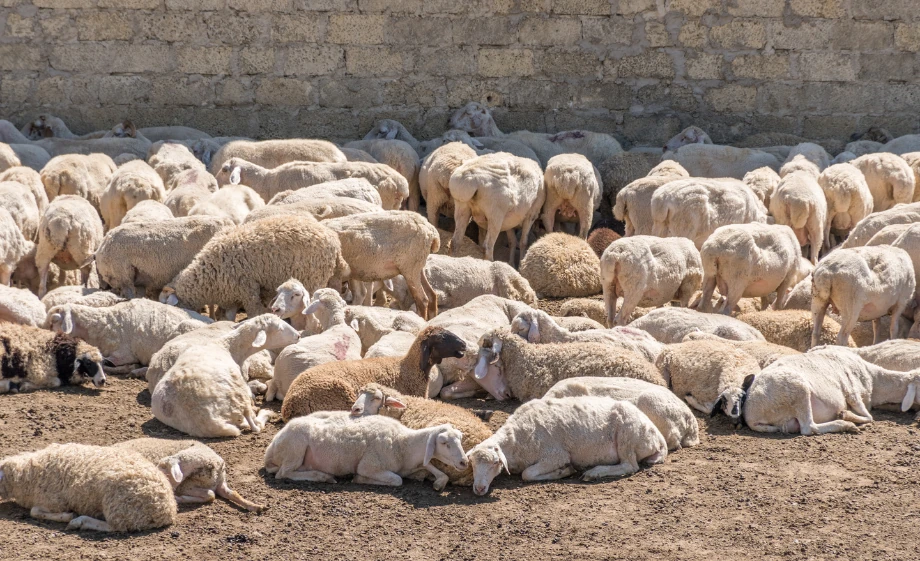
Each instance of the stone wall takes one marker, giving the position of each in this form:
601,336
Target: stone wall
641,69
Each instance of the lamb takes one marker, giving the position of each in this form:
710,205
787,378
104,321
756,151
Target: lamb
849,199
552,438
666,411
390,129
434,176
80,295
13,246
500,192
633,202
715,161
19,202
188,189
671,325
649,271
336,341
127,333
320,209
875,222
204,393
909,241
274,153
694,208
376,449
799,203
536,326
242,266
62,481
356,188
147,212
573,187
560,265
33,358
234,202
151,254
751,260
400,156
76,174
69,233
792,328
379,246
457,280
20,306
826,390
31,179
763,181
334,386
508,366
420,413
889,177
863,283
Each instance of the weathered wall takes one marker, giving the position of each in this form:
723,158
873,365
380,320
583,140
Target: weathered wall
639,68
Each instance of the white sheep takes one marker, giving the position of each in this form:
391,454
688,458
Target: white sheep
666,411
79,484
848,199
94,297
801,164
751,260
694,208
902,144
434,177
169,159
896,354
291,298
17,199
553,438
400,156
763,182
74,174
573,189
799,203
374,322
69,233
811,152
31,179
476,119
648,271
690,135
889,177
18,305
378,450
715,161
8,158
187,189
234,202
148,211
396,343
909,241
597,147
357,188
13,246
633,202
671,325
869,226
863,283
274,153
500,192
862,147
320,209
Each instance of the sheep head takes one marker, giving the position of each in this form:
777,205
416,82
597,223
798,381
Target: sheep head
289,299
436,344
487,460
489,370
374,397
476,119
690,135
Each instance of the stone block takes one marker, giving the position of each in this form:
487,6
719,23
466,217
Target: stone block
351,93
288,28
615,30
185,91
808,35
313,60
19,90
732,98
237,29
607,95
818,8
889,10
505,62
550,31
423,92
19,26
257,60
540,95
828,67
780,99
900,67
862,35
57,28
761,67
233,91
695,8
655,97
105,26
173,26
739,34
650,64
632,7
356,29
901,98
130,4
391,6
328,5
204,60
446,61
284,92
855,98
64,4
430,30
582,7
657,34
704,66
756,8
907,37
124,57
373,61
271,6
483,31
111,90
21,57
197,5
829,126
557,63
650,130
693,34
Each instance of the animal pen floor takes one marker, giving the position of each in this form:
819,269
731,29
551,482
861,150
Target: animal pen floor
738,495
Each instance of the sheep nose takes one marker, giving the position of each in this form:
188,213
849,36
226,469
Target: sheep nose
275,309
479,490
464,464
356,411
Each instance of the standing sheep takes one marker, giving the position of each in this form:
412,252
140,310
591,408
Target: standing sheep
130,184
13,246
648,271
69,233
848,199
17,199
633,202
76,174
573,188
909,241
31,179
34,358
187,189
799,203
400,156
763,182
274,153
234,202
434,177
561,265
715,161
875,222
889,177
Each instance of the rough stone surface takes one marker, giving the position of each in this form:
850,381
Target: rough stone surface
640,69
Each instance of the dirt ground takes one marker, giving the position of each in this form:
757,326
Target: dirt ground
736,495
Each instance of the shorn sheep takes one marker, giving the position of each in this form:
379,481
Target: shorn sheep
20,306
875,222
80,484
848,199
671,325
400,156
633,202
889,177
274,153
434,177
573,190
130,184
649,271
69,233
561,265
34,358
13,246
553,438
799,203
791,328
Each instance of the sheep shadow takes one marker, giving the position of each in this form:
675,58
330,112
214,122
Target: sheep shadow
14,513
720,425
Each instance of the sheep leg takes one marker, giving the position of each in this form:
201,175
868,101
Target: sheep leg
693,402
418,294
467,387
732,298
43,279
488,244
462,215
138,373
440,478
224,490
782,294
376,477
195,496
807,424
89,523
628,466
40,513
554,467
896,312
630,301
309,475
709,287
432,296
846,326
525,236
6,273
512,245
549,213
585,216
610,302
818,311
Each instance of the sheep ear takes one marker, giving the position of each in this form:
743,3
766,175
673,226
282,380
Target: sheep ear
429,450
172,300
391,135
260,339
481,368
910,397
719,404
388,284
533,334
312,307
503,460
1,475
354,325
746,385
67,325
424,363
394,403
206,157
235,176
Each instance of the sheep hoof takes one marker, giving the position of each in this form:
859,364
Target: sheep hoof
440,483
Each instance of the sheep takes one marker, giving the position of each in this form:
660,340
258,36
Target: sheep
909,241
862,147
376,449
536,326
584,307
811,152
379,246
34,358
80,295
666,411
110,146
715,161
188,189
79,484
763,182
204,393
799,203
600,238
291,298
889,177
826,390
240,267
649,271
151,254
863,283
334,386
434,176
31,156
553,438
561,265
336,341
20,306
274,153
792,328
694,208
763,352
420,413
374,322
573,188
233,202
500,192
467,247
690,135
671,325
896,354
400,156
875,222
709,374
127,333
356,188
633,202
31,179
396,343
799,164
45,126
69,233
902,144
510,145
596,147
13,246
169,159
195,471
320,209
751,260
19,202
848,197
620,170
476,119
509,366
355,155
148,211
457,280
74,174
28,276
843,158
8,158
390,129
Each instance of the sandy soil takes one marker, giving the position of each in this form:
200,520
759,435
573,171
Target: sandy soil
736,495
